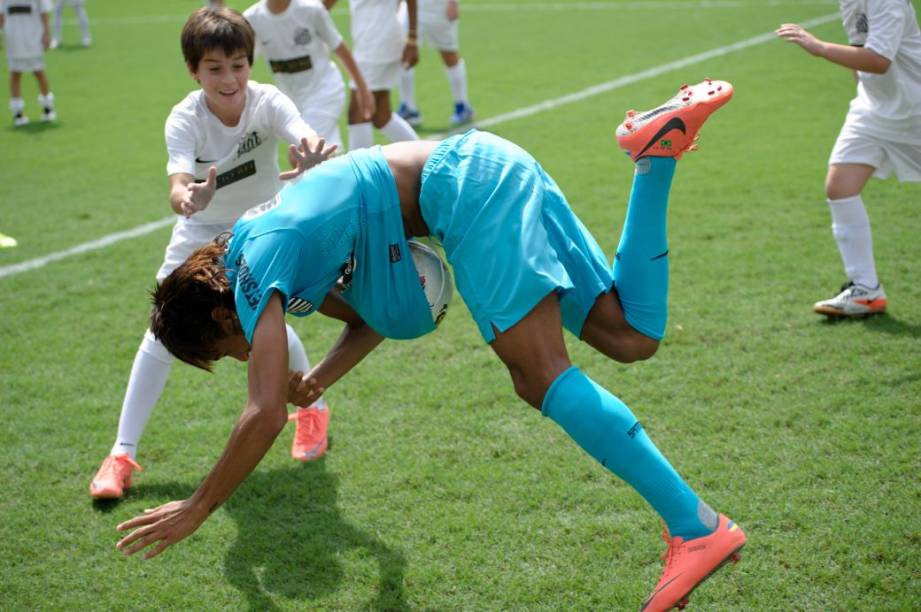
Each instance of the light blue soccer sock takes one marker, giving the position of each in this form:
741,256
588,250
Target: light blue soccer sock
641,263
608,431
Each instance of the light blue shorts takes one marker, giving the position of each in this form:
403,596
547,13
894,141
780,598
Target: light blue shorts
509,233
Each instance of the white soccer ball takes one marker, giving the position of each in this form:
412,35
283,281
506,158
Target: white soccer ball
435,278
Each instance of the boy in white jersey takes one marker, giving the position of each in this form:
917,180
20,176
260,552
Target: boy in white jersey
85,38
222,145
25,26
881,135
381,52
296,36
438,26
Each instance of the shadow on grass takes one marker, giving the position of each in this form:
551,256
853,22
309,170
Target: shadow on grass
290,535
159,492
884,323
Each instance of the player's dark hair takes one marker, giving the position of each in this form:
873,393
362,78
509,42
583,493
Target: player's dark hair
213,28
183,306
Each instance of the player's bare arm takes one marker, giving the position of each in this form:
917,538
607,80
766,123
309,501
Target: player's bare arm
187,197
411,48
364,98
260,423
353,345
855,58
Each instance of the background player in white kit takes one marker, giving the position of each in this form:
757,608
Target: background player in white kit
80,9
296,36
25,27
381,51
439,22
881,135
222,142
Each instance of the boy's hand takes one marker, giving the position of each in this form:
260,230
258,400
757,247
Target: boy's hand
410,54
452,11
199,195
302,158
302,389
366,105
794,33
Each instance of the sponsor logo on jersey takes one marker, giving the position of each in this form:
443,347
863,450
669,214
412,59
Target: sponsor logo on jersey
348,271
291,66
247,284
863,24
634,430
297,305
235,174
395,254
20,9
249,142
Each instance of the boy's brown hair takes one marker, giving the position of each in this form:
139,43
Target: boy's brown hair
183,306
222,28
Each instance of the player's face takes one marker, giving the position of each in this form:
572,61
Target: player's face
223,79
233,345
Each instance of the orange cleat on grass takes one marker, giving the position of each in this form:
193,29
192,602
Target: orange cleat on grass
671,129
690,562
113,477
310,441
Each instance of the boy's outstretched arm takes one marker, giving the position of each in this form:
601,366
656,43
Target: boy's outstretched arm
855,58
363,95
187,197
260,423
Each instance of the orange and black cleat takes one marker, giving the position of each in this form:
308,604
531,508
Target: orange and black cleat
310,437
690,562
671,129
113,477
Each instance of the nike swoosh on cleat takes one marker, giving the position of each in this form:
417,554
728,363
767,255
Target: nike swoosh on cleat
657,591
675,123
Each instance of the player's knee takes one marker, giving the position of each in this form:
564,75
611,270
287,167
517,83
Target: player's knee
527,387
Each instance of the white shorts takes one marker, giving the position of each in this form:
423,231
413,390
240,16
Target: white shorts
322,108
380,76
187,237
433,26
855,145
31,64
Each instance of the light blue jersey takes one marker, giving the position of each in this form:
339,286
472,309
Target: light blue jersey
341,220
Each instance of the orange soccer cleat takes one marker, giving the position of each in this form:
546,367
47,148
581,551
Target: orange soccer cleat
113,477
310,425
671,129
690,562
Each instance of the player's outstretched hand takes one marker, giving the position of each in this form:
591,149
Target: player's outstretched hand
795,33
302,158
366,104
302,389
199,195
410,55
160,527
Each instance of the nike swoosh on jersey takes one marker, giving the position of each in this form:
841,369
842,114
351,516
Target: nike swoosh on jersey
675,123
203,161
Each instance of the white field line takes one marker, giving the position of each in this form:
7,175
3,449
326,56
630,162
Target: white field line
578,96
525,7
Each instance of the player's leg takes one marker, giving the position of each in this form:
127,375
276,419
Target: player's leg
391,125
56,24
408,109
655,139
361,132
862,294
311,422
456,72
85,38
17,104
45,98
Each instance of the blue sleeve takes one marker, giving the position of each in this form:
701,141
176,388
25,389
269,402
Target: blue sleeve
263,266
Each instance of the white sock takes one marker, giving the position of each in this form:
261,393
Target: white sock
298,361
148,377
58,19
397,129
408,88
851,228
17,105
47,101
361,135
457,79
84,20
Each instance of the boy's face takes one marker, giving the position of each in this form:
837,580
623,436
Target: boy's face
233,345
223,79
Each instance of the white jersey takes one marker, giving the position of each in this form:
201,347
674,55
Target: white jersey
246,155
376,34
22,27
890,101
296,44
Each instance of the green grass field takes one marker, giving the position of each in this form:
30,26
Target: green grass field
442,490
